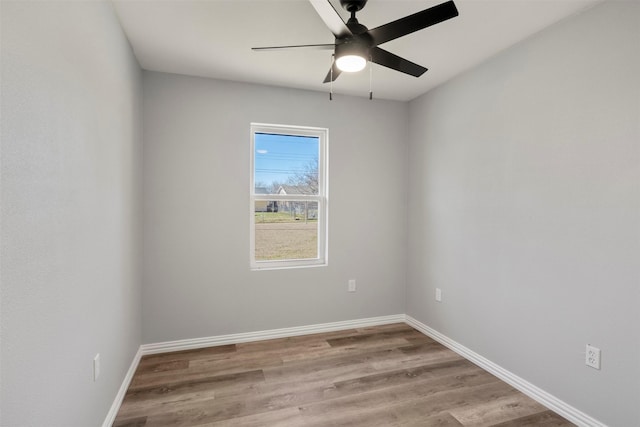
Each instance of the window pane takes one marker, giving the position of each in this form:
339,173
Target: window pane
286,230
286,164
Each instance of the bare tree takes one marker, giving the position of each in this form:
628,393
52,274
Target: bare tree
306,181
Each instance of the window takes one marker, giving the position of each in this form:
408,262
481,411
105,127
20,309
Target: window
288,210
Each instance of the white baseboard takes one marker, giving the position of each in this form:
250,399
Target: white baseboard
190,344
115,407
562,408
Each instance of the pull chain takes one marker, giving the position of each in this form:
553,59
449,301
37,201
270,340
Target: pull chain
370,79
331,78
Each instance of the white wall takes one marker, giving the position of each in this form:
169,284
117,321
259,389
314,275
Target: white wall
71,180
524,207
197,281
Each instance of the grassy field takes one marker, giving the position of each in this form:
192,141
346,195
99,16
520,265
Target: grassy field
280,236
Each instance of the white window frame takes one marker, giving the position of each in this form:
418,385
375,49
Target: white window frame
321,198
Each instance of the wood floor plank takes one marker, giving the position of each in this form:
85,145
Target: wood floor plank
160,409
440,420
131,422
498,411
281,346
227,409
374,339
233,365
382,328
364,361
390,375
385,419
155,367
541,419
141,408
404,376
217,382
330,352
286,417
201,368
295,341
188,354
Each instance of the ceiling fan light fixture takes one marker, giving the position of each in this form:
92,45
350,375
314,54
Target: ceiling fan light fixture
351,56
351,63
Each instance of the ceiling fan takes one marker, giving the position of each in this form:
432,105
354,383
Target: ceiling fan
355,44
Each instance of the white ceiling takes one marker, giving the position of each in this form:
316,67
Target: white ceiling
213,38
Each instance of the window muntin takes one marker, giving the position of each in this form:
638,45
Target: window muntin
288,196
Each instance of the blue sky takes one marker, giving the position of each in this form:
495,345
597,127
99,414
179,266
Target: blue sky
278,157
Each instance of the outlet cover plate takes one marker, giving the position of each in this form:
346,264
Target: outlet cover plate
593,357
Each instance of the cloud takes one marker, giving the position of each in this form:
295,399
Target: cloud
261,151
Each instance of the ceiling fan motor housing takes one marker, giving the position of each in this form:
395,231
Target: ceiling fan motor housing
353,47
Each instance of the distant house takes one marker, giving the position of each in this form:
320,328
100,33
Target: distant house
308,210
265,205
296,189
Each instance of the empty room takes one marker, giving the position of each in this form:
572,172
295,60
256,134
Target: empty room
320,213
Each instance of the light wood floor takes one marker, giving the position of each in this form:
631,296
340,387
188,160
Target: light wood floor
388,375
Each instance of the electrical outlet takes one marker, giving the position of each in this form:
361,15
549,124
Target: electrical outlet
96,367
438,294
593,357
352,285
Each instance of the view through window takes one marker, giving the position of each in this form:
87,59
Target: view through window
288,192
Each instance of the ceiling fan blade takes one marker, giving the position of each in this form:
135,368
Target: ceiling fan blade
331,18
415,22
310,46
333,72
389,60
